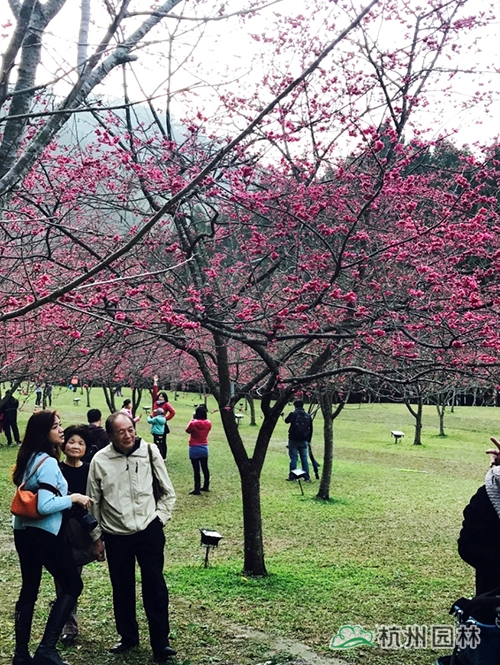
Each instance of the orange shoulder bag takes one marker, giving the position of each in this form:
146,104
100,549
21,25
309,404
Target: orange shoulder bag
25,502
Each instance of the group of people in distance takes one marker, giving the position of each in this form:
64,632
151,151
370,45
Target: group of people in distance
108,498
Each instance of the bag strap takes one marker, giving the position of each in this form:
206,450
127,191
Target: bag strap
150,453
151,460
50,488
36,468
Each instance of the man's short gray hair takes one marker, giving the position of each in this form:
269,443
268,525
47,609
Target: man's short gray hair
110,422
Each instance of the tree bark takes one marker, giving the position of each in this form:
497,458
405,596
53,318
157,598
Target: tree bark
325,401
23,17
254,563
37,20
417,414
251,403
14,166
83,36
136,399
249,467
109,395
441,408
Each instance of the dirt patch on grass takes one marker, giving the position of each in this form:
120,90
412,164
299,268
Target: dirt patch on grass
238,644
281,645
6,543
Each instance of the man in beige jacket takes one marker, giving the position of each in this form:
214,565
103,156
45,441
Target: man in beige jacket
121,486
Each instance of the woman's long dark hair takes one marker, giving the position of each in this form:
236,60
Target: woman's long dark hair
36,440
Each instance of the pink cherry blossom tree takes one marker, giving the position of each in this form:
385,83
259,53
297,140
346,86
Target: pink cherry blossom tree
301,239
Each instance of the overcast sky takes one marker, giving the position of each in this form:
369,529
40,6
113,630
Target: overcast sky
225,53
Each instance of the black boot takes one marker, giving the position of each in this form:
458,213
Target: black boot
196,486
23,619
47,654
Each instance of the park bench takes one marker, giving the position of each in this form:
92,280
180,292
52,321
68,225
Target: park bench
397,434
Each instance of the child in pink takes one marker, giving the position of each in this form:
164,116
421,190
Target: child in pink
198,429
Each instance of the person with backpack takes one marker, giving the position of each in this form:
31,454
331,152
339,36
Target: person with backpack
97,437
299,436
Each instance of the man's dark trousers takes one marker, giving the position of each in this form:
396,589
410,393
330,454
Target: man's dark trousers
147,547
8,425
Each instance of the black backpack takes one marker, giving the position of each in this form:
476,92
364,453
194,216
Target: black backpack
301,427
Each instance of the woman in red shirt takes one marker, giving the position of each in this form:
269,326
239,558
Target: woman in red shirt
198,429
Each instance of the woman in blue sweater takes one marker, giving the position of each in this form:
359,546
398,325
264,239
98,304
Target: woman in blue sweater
40,542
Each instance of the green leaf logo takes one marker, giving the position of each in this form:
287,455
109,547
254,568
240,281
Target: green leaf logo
350,637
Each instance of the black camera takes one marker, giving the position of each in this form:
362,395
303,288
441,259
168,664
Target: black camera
87,521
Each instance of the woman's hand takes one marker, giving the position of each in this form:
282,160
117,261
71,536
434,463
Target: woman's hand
82,500
495,454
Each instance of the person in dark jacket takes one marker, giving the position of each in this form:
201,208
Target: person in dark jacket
47,394
97,437
299,437
479,539
9,420
76,473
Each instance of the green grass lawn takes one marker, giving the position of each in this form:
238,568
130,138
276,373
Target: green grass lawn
381,552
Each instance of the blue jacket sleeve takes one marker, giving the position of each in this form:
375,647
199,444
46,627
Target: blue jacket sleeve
48,502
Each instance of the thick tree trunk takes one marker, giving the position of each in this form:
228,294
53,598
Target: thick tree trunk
249,467
325,401
253,563
249,470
